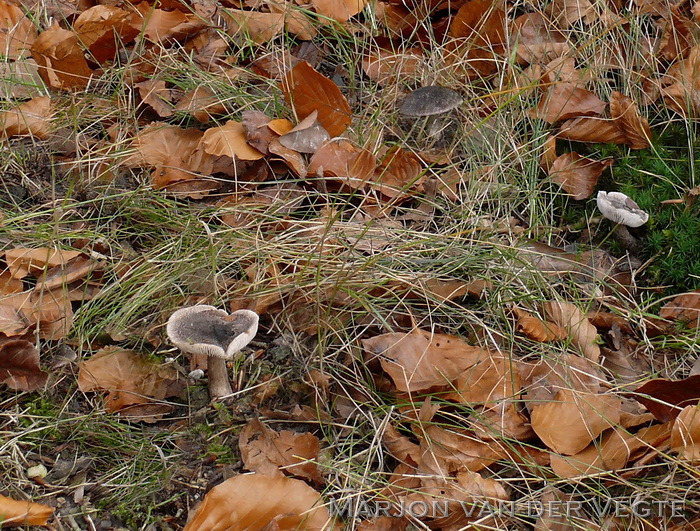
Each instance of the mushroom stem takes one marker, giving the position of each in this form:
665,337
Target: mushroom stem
219,385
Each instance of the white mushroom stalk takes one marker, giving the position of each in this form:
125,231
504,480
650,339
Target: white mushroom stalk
207,330
619,208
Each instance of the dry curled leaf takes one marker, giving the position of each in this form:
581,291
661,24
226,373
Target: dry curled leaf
102,27
537,329
338,10
582,333
229,140
22,261
135,386
202,103
17,33
24,513
305,90
256,501
572,420
19,366
666,398
254,25
266,451
160,26
420,360
684,308
577,175
566,100
685,434
633,126
61,62
32,117
154,93
342,161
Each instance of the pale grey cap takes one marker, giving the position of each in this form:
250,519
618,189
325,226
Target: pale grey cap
207,330
427,101
619,208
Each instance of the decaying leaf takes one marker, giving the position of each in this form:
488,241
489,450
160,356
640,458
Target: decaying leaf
398,172
305,90
256,501
681,85
201,103
685,434
61,62
154,93
19,367
420,360
633,126
270,452
576,174
135,386
583,334
23,513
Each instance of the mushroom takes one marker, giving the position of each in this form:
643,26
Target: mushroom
430,102
619,208
207,330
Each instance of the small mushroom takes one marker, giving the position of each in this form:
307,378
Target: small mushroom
430,102
619,208
207,330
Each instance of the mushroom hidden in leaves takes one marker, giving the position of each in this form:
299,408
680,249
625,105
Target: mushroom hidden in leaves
207,330
430,103
619,208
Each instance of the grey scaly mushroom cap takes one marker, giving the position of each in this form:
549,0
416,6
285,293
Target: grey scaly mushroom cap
619,208
427,101
207,330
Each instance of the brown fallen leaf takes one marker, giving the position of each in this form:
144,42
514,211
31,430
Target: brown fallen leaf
681,85
23,513
17,33
305,90
561,512
61,62
101,28
19,367
535,328
385,66
160,26
488,382
536,39
420,360
32,117
229,140
684,308
398,173
338,10
666,398
685,434
292,158
566,100
10,285
307,136
270,452
577,175
615,450
254,25
256,501
582,333
202,103
593,130
444,452
344,162
174,152
22,261
154,93
135,386
572,420
633,126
